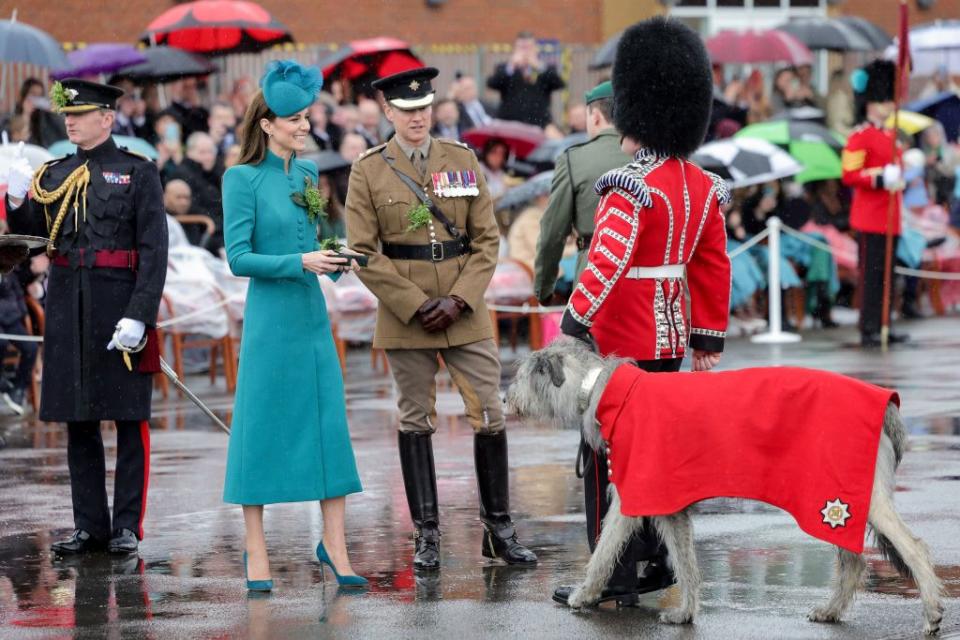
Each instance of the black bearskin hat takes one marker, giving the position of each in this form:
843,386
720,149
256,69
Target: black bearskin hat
873,83
662,87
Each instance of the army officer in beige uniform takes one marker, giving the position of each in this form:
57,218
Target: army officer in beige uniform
419,208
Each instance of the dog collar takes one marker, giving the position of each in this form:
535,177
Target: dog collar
586,388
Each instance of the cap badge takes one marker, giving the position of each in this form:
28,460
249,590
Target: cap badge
414,85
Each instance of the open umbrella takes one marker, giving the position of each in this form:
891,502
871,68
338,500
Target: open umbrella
606,54
100,57
521,138
137,145
34,154
824,33
801,113
944,107
911,123
520,195
875,35
549,150
745,47
217,27
327,161
934,46
166,64
746,161
377,57
812,145
22,43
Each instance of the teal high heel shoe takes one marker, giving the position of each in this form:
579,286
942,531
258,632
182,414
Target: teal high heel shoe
350,582
255,585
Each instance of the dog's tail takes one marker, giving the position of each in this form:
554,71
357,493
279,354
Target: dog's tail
894,429
891,555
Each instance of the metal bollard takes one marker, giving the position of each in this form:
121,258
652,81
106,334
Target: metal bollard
775,335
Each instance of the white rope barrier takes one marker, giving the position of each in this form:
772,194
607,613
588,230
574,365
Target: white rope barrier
748,244
523,308
16,337
927,275
199,312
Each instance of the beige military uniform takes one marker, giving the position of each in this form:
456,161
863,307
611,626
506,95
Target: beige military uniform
378,202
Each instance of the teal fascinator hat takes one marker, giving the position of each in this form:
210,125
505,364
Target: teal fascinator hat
289,87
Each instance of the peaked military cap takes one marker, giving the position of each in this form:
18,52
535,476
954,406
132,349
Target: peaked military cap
408,90
74,95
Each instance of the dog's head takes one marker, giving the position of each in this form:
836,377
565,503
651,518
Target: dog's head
548,382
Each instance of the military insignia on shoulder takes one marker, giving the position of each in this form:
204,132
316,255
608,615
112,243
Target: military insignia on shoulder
835,513
455,143
627,181
720,186
371,150
138,156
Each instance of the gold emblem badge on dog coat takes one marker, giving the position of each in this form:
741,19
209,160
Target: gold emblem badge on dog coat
835,513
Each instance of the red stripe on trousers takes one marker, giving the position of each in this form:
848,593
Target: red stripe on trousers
145,441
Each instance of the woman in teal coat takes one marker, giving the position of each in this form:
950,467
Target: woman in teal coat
290,441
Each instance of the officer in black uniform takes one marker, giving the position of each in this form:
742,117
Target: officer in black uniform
102,210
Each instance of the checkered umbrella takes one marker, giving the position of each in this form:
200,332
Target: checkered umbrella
746,161
812,145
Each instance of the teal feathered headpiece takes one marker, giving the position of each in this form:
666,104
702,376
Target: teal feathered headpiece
289,87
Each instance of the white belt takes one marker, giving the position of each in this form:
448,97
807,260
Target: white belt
663,271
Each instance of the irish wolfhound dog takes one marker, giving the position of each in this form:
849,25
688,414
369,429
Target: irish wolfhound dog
563,383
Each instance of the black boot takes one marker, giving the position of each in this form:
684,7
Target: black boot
79,542
420,481
821,312
499,537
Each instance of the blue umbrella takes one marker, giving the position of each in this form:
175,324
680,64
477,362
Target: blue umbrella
101,57
22,43
137,145
944,107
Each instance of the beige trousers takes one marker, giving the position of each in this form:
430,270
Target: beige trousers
474,368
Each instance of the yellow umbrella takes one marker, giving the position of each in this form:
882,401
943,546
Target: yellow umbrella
911,123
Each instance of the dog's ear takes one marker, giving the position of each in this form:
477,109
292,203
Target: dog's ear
555,369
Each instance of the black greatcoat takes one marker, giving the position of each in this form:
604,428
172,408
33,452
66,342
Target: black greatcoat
82,381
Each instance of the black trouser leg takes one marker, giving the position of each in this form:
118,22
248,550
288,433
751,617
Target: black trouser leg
132,476
88,478
872,251
644,545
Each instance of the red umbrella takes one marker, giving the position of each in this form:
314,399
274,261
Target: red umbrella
217,27
742,47
377,57
521,138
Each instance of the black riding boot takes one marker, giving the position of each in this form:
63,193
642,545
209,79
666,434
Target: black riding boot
821,311
420,481
499,536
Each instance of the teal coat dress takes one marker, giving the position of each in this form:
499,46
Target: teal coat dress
290,441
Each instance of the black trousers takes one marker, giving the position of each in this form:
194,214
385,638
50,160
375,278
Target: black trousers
644,545
872,249
88,474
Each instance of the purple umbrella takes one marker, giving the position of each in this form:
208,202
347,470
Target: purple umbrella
103,57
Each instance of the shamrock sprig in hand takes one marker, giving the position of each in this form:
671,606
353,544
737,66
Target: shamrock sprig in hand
311,199
419,217
330,244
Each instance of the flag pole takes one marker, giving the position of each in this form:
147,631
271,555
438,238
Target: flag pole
894,199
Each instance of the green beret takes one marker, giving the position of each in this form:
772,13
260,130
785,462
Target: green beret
599,92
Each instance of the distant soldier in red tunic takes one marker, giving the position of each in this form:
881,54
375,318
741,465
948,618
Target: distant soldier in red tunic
659,240
872,169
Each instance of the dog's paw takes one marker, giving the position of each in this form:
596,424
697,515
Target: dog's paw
931,626
824,614
582,597
676,616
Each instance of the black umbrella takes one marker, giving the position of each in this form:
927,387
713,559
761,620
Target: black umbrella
22,43
604,56
166,64
327,161
746,161
823,33
877,37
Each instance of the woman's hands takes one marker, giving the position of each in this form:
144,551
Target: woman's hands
327,261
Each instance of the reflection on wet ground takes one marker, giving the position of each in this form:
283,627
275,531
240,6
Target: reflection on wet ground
761,573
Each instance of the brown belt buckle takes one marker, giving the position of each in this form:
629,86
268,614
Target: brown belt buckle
436,251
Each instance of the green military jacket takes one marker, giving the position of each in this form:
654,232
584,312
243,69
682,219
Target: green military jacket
573,203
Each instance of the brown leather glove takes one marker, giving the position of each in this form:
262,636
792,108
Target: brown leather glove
11,255
444,313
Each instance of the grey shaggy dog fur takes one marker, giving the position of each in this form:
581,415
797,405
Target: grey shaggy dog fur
549,386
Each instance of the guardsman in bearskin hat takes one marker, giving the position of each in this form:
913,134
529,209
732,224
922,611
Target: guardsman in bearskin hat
659,239
872,169
419,207
102,210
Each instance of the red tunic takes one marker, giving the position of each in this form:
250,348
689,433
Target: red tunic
654,212
801,440
868,150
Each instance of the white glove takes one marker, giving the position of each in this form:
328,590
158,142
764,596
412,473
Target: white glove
893,178
128,335
19,176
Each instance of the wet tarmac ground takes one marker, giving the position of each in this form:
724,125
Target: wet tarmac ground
761,573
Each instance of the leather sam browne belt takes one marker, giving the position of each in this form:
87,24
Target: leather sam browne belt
434,252
99,259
